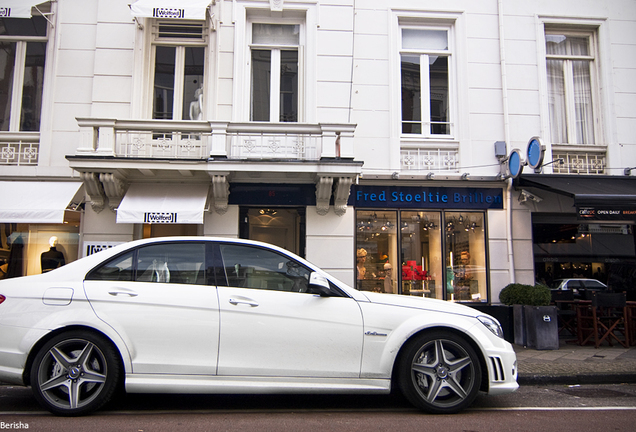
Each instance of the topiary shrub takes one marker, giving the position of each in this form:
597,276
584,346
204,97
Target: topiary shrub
530,295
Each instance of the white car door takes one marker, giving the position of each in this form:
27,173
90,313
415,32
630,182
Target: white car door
157,299
270,325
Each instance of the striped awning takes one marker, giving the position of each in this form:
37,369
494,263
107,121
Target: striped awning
170,9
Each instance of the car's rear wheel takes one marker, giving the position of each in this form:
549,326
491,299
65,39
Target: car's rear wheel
439,373
75,373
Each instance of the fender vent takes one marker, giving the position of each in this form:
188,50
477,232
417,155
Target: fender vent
498,373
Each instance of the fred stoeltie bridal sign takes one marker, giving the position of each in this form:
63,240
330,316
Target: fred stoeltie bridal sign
426,197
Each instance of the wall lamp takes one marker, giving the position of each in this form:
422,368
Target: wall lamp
430,176
628,171
465,176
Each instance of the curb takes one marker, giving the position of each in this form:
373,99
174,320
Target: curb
573,379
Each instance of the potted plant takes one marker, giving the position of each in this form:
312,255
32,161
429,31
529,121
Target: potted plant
535,322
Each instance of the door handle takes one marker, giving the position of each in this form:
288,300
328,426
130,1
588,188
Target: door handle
235,302
123,292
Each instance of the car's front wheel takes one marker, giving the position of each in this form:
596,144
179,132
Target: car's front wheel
439,373
75,373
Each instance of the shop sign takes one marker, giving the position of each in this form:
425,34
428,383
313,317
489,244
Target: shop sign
272,194
600,213
160,217
426,197
91,247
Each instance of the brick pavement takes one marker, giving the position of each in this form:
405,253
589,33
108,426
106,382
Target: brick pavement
573,364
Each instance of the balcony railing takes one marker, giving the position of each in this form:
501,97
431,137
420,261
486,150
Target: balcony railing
20,148
167,139
429,159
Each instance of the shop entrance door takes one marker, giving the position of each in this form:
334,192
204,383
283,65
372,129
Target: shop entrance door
280,226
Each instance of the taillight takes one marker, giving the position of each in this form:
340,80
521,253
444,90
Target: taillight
2,298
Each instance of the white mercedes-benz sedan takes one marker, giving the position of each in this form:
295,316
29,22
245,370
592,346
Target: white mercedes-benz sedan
211,315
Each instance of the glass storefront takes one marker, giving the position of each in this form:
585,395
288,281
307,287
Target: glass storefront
605,251
29,249
433,254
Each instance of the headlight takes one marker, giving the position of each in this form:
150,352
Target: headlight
492,325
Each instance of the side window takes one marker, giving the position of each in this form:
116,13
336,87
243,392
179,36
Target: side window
593,284
253,267
117,269
181,263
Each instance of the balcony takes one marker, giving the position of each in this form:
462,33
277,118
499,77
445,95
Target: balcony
112,154
199,140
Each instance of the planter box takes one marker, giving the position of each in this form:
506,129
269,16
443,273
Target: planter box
542,328
536,327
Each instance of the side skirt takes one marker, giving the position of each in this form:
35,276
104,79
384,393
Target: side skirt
156,383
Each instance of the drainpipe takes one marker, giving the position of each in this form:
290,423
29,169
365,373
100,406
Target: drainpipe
504,92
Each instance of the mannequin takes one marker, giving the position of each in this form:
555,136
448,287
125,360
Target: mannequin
52,258
196,106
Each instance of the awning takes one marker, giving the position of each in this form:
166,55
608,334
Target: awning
163,203
610,191
17,8
37,201
174,9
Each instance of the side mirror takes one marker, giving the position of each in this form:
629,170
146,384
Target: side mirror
319,285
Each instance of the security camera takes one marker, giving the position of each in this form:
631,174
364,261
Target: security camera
525,196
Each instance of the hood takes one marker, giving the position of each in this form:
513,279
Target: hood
422,303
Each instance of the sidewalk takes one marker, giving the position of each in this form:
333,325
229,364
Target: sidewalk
574,364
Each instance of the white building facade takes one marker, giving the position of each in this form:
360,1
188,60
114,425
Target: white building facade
372,137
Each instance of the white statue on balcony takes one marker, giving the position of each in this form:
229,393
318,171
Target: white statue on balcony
196,106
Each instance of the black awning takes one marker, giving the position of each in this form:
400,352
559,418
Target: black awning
609,191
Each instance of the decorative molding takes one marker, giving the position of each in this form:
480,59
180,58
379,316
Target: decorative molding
341,195
114,188
276,5
221,192
324,186
94,190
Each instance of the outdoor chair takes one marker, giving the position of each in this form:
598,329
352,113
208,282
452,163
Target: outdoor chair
566,314
606,320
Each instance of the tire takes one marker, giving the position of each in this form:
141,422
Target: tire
439,373
75,373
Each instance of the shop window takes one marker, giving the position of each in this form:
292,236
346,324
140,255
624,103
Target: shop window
22,59
29,249
425,62
280,226
274,72
377,259
570,62
604,251
436,254
465,262
421,247
178,70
